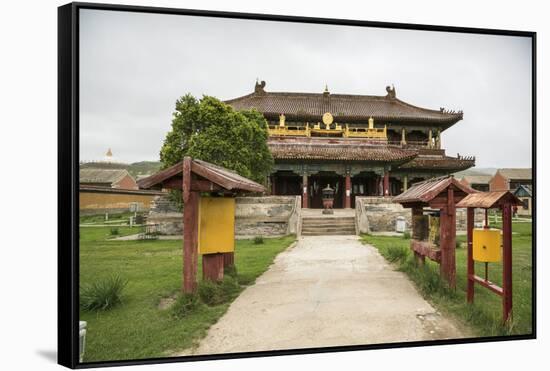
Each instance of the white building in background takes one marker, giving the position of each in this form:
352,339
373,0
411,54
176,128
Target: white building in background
109,157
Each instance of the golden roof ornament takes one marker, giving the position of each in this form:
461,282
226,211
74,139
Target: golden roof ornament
327,118
282,120
259,87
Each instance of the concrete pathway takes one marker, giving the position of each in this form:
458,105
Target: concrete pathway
326,291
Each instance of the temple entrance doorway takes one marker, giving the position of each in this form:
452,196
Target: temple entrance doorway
396,186
286,183
321,180
365,184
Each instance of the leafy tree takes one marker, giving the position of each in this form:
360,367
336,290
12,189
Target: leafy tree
210,130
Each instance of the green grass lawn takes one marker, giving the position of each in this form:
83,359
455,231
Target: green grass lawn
137,328
484,316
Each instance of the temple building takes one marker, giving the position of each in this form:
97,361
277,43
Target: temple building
360,145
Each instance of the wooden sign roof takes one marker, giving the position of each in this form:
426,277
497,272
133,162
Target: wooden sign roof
488,200
426,191
209,177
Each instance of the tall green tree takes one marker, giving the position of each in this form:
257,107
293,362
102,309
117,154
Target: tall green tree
210,130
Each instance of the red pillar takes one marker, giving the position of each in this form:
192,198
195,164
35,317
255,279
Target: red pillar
507,261
190,229
190,242
347,199
386,183
416,211
305,196
447,240
470,261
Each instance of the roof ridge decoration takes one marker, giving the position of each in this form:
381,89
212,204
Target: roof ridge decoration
391,92
259,87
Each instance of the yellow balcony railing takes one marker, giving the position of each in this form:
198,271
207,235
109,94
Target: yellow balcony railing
372,133
300,131
328,130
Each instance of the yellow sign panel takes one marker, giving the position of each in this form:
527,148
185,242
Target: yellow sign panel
486,245
216,225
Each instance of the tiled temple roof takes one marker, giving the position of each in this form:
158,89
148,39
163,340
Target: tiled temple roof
338,151
477,179
519,173
105,176
344,107
440,163
347,149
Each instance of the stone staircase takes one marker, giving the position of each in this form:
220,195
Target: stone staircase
328,225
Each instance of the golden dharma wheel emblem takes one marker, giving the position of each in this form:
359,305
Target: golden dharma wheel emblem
327,118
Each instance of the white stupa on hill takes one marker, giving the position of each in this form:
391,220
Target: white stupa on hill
109,157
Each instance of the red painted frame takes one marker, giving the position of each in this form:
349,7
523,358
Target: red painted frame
506,290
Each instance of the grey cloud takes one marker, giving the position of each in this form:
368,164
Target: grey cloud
134,67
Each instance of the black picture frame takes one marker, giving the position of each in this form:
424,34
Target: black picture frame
68,169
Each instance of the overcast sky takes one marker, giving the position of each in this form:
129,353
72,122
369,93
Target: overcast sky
134,66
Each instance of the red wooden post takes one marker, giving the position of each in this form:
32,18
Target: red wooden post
386,183
447,240
212,267
190,230
305,196
416,211
507,261
228,259
470,261
347,203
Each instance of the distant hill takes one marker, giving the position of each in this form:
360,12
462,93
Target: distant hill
136,169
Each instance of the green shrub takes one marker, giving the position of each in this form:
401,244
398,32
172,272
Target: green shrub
102,294
430,281
210,292
186,304
428,278
406,235
397,254
230,270
215,293
258,240
230,287
114,232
